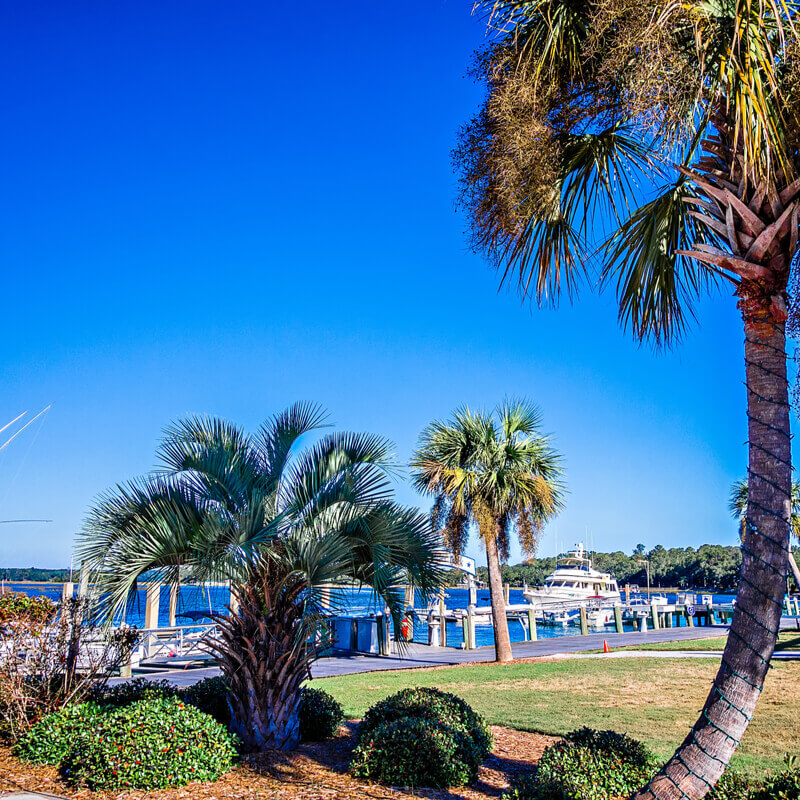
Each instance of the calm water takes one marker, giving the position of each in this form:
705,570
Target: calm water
215,598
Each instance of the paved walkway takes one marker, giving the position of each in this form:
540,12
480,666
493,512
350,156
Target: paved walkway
418,655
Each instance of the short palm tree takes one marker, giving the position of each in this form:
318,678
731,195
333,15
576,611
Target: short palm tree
498,471
661,142
738,508
277,524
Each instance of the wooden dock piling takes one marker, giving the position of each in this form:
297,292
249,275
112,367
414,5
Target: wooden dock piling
533,635
584,622
618,619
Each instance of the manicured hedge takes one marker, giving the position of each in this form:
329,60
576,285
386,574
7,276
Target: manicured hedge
434,705
51,738
320,715
150,744
587,765
415,752
421,737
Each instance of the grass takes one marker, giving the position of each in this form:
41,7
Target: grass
788,641
655,700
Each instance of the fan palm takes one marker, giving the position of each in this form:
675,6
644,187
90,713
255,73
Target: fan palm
278,524
498,471
738,508
660,140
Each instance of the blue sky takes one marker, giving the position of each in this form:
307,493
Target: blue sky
221,208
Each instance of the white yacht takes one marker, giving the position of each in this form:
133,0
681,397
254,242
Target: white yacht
574,579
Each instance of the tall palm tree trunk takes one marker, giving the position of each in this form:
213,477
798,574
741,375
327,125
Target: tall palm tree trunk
502,641
706,751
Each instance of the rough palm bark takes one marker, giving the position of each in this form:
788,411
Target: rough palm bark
759,223
502,640
256,650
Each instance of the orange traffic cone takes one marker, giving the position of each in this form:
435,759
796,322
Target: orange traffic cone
606,648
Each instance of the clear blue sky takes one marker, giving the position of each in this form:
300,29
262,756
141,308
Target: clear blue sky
220,208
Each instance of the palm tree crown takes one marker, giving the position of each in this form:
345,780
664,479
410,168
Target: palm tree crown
278,525
497,470
590,106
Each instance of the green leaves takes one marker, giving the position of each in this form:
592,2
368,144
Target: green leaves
654,284
229,506
495,469
587,105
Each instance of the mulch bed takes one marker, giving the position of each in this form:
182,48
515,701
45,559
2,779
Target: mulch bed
315,771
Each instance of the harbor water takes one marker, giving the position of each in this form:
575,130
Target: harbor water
195,601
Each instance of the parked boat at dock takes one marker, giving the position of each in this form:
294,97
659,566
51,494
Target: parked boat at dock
574,579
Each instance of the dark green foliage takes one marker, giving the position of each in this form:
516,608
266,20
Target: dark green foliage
434,705
211,696
414,752
710,566
35,574
150,744
421,737
783,786
127,692
588,765
50,739
730,786
320,715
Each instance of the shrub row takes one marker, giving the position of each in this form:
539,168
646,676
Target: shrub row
151,743
421,737
150,734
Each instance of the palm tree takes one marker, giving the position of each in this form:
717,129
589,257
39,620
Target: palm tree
660,141
500,472
278,525
738,508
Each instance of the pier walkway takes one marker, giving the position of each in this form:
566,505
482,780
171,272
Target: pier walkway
418,655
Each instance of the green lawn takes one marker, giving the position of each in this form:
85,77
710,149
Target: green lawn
788,641
655,700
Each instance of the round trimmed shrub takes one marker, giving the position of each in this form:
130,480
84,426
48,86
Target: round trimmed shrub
51,738
415,752
150,744
320,715
588,765
211,696
434,705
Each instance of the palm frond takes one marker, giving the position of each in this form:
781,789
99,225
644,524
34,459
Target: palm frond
655,285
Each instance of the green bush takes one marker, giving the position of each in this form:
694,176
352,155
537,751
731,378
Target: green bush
421,737
783,786
127,692
320,715
211,696
731,786
415,752
51,738
436,706
587,765
150,744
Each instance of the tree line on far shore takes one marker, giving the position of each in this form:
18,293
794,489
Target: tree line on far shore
34,574
710,566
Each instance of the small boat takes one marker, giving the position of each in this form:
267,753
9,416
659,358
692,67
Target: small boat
640,605
596,617
560,618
